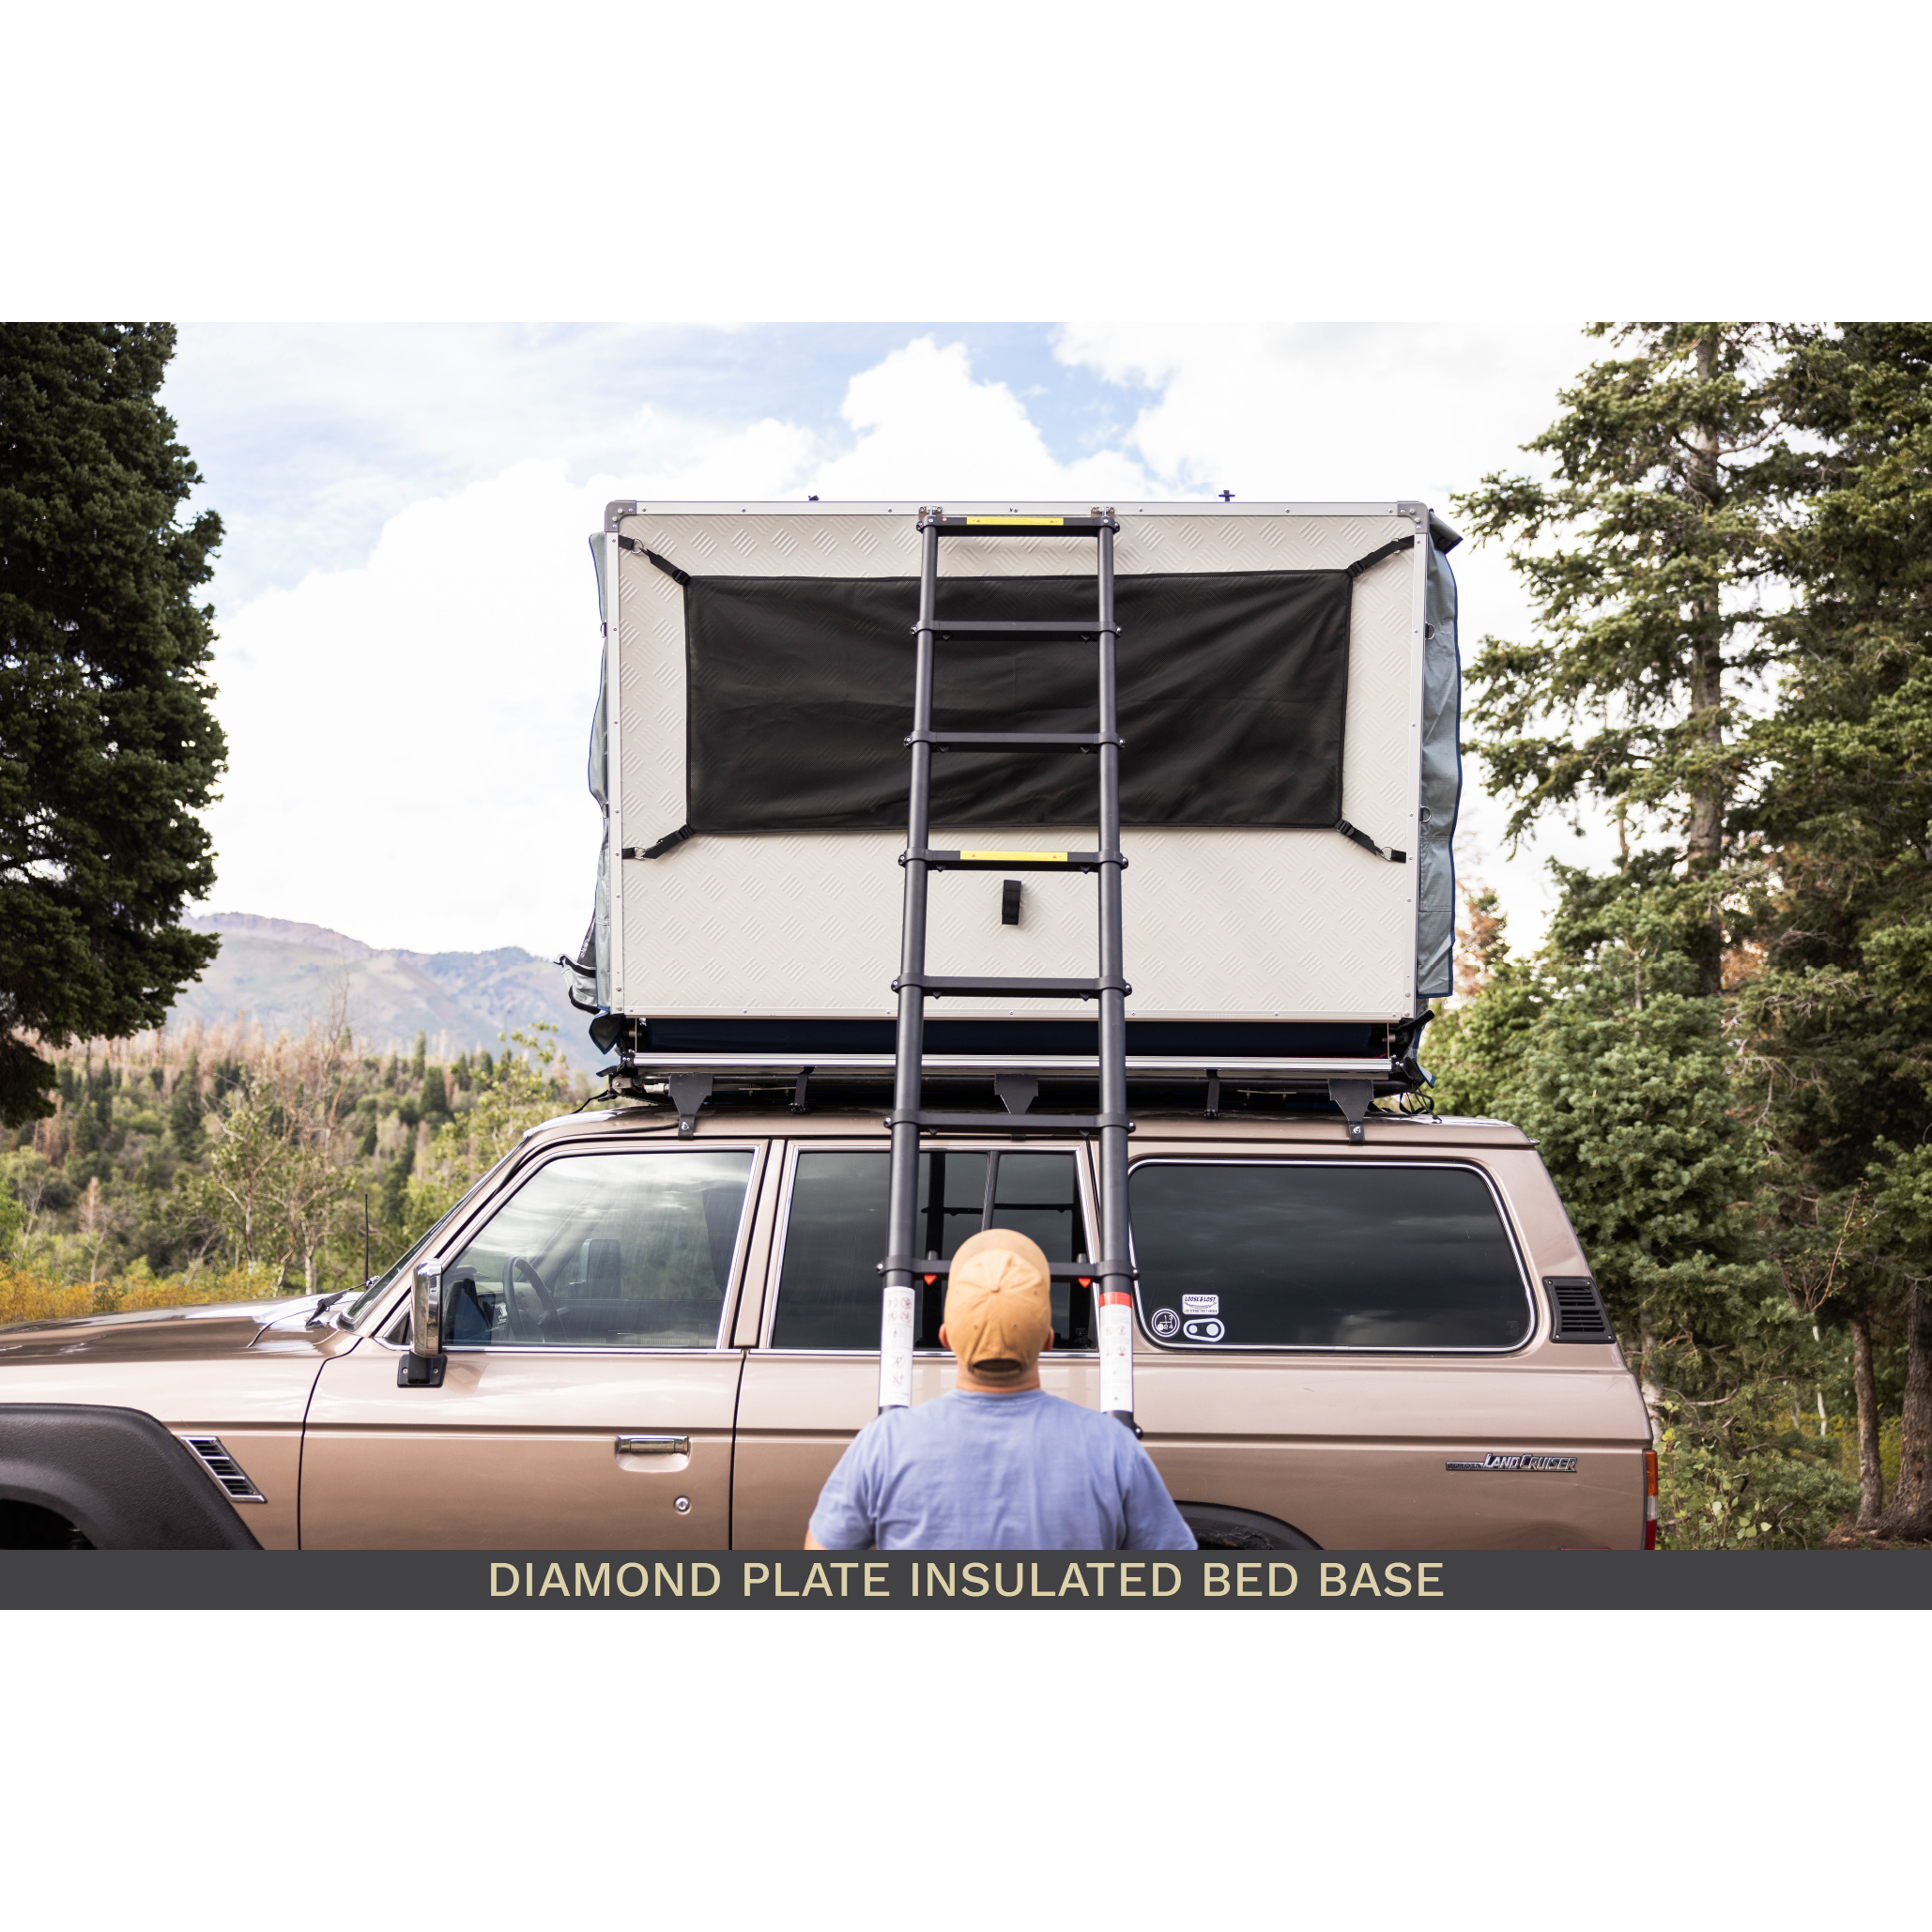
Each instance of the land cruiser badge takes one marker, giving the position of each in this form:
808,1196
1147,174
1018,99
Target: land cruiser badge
1558,1465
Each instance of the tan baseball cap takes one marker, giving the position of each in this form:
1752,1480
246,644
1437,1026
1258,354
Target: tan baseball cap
999,1312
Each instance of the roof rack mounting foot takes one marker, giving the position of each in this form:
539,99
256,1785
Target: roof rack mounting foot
689,1092
799,1092
1353,1098
1214,1097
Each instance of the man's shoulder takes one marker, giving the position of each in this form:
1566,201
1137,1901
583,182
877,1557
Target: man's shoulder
1091,1426
895,1430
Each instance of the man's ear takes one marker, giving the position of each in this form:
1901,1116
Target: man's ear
1048,1343
943,1340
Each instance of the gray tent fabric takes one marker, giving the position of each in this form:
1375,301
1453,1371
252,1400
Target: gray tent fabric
598,774
1442,772
600,790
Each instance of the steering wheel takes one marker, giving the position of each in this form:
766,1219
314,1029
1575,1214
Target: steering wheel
524,1328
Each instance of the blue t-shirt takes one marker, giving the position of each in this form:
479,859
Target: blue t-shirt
997,1472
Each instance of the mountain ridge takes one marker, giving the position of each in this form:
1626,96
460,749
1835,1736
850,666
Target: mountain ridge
284,973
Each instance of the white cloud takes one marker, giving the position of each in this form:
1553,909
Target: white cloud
312,437
406,739
1311,411
927,429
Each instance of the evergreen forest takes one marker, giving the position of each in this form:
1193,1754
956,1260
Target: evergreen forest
212,1163
1724,1044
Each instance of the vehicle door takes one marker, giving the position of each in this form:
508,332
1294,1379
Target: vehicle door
813,1381
1343,1343
589,1396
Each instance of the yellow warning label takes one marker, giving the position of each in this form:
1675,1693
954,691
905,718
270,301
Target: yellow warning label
1057,858
1026,521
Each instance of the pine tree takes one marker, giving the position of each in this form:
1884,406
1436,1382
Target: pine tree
1482,938
185,1108
1475,1050
108,745
1626,1082
1843,1011
1643,556
433,1102
1605,1052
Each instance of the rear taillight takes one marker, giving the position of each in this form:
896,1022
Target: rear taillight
1649,1499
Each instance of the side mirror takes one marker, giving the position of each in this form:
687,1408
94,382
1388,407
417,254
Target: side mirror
423,1366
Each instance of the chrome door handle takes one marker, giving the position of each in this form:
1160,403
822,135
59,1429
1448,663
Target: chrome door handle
653,1445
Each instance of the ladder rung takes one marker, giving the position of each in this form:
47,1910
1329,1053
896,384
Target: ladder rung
1013,1123
1012,862
1026,989
1058,1270
1014,741
1019,630
1016,526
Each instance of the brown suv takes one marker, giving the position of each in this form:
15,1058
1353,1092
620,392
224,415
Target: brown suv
655,1341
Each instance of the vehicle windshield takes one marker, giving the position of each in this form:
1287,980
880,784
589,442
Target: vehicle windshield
348,1313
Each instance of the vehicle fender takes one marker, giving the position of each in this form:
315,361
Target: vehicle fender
117,1476
1219,1527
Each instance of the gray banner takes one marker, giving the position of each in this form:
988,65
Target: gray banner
992,1580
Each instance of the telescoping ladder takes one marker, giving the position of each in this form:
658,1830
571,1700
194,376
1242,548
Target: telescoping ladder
1112,1272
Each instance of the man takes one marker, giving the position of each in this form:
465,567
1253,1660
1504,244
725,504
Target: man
998,1464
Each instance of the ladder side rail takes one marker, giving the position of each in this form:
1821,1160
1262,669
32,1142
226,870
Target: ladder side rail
902,1197
1116,1283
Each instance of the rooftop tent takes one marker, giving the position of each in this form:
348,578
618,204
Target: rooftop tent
750,756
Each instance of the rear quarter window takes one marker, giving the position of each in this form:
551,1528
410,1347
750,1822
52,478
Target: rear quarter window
1323,1255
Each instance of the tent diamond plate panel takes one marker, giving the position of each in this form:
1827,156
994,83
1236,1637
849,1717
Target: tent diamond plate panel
1261,923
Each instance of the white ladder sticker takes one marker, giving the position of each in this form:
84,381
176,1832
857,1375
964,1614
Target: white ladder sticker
896,1350
1117,1357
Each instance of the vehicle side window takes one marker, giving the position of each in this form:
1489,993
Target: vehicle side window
834,1238
1039,1195
605,1250
1307,1254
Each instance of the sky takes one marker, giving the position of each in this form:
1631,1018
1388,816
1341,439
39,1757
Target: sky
409,647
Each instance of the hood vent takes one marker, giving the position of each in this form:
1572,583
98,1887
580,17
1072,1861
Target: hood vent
233,1477
1577,1310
